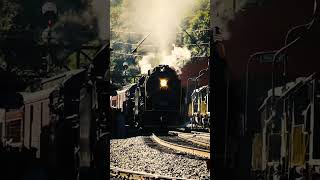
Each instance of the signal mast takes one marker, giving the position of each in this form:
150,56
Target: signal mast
49,11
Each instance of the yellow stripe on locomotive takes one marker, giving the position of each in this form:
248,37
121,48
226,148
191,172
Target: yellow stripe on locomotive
256,161
299,146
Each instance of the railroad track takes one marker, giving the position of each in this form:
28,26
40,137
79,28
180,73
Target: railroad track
118,173
182,148
143,158
197,138
205,134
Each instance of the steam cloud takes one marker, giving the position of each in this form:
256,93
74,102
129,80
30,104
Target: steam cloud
178,57
162,19
146,63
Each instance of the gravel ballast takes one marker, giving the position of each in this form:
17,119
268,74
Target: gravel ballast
134,154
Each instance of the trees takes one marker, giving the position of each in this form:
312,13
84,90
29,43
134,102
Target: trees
24,29
197,26
9,11
122,43
196,23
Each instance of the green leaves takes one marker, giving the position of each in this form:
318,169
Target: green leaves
9,11
197,25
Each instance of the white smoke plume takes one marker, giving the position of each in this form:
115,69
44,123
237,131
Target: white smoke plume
146,63
177,59
162,19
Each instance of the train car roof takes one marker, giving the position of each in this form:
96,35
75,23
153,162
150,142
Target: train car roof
203,87
62,75
48,86
199,89
297,84
125,88
277,93
280,92
30,97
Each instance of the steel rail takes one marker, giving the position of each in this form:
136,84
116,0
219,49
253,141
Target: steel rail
201,133
194,138
116,172
191,138
190,150
193,133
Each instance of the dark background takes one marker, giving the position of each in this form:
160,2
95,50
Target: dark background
262,26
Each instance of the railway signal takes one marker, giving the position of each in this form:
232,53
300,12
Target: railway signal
49,11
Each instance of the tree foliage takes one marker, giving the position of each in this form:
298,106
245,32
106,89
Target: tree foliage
197,19
23,27
197,25
9,11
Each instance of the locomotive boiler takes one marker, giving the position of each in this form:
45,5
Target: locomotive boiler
158,99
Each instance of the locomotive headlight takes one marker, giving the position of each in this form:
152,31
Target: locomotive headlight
163,83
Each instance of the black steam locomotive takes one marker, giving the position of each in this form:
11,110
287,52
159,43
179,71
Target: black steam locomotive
154,101
61,126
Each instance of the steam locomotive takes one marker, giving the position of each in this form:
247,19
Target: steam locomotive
60,125
154,101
